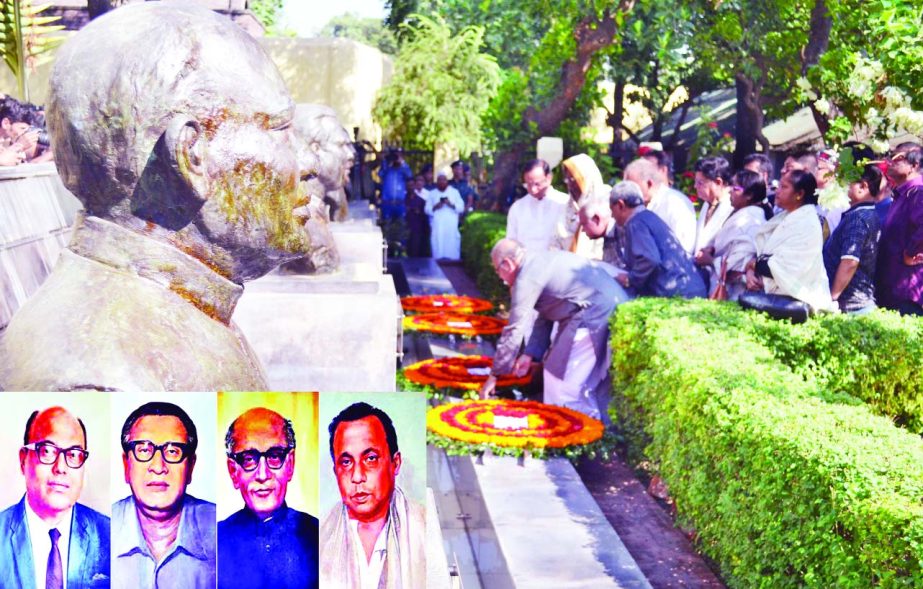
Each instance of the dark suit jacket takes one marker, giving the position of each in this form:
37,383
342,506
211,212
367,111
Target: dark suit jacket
88,554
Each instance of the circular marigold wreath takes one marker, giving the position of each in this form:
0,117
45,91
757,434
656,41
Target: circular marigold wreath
460,372
521,424
457,303
458,323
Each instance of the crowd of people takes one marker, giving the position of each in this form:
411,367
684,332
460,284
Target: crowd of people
427,207
23,137
570,259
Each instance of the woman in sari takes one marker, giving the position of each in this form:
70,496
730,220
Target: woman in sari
734,244
789,259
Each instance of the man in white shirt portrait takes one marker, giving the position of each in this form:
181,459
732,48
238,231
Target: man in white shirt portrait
374,538
531,220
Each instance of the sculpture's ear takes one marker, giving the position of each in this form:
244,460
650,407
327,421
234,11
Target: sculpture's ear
187,149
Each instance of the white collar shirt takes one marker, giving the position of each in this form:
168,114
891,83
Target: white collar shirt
370,569
532,222
677,212
41,543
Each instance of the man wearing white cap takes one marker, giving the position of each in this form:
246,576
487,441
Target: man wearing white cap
444,205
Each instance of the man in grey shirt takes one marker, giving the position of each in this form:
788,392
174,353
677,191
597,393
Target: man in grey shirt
579,295
657,264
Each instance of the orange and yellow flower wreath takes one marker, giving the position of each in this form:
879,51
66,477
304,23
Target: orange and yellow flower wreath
457,323
460,372
549,426
457,303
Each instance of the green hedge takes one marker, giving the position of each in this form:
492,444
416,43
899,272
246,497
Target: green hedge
877,358
480,231
786,484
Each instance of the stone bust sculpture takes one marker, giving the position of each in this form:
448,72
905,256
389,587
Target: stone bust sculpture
173,127
329,144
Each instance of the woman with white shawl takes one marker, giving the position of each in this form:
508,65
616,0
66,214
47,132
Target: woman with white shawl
584,183
734,245
789,258
713,187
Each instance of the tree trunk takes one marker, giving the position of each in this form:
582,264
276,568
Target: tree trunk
683,113
592,34
749,128
616,120
818,41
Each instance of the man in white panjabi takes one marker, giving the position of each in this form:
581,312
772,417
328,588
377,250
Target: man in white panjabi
669,204
444,205
375,537
532,219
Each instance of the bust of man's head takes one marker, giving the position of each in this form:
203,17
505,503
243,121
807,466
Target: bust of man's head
169,120
324,148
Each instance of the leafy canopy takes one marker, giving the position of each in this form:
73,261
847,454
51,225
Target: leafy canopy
442,84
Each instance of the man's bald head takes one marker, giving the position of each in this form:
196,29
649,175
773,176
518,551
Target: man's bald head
52,488
130,76
645,174
258,421
40,422
506,249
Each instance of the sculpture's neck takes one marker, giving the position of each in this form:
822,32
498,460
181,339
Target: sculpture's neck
129,251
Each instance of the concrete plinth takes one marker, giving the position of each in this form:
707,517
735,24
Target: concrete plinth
332,333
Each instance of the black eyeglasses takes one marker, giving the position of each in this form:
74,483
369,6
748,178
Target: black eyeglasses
48,453
249,460
144,450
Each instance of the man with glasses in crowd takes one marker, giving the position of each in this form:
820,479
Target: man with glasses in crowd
163,537
267,543
48,540
532,219
900,248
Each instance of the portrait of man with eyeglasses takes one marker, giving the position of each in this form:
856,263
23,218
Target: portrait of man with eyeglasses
163,537
48,540
267,543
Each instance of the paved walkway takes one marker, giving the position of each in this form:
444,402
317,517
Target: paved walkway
526,525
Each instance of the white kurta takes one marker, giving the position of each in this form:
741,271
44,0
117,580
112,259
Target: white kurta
794,241
444,237
676,210
532,222
705,232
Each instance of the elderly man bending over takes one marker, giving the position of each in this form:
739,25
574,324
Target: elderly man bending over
579,295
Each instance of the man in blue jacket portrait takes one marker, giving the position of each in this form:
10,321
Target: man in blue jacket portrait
48,540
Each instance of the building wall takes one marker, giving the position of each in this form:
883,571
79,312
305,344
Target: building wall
343,74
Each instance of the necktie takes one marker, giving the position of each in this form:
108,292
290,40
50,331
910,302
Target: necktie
54,577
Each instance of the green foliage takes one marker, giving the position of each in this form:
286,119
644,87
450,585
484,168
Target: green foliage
480,232
26,38
786,484
442,84
267,11
872,72
873,358
370,31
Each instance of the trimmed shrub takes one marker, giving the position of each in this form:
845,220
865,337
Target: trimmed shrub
874,357
480,231
785,483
